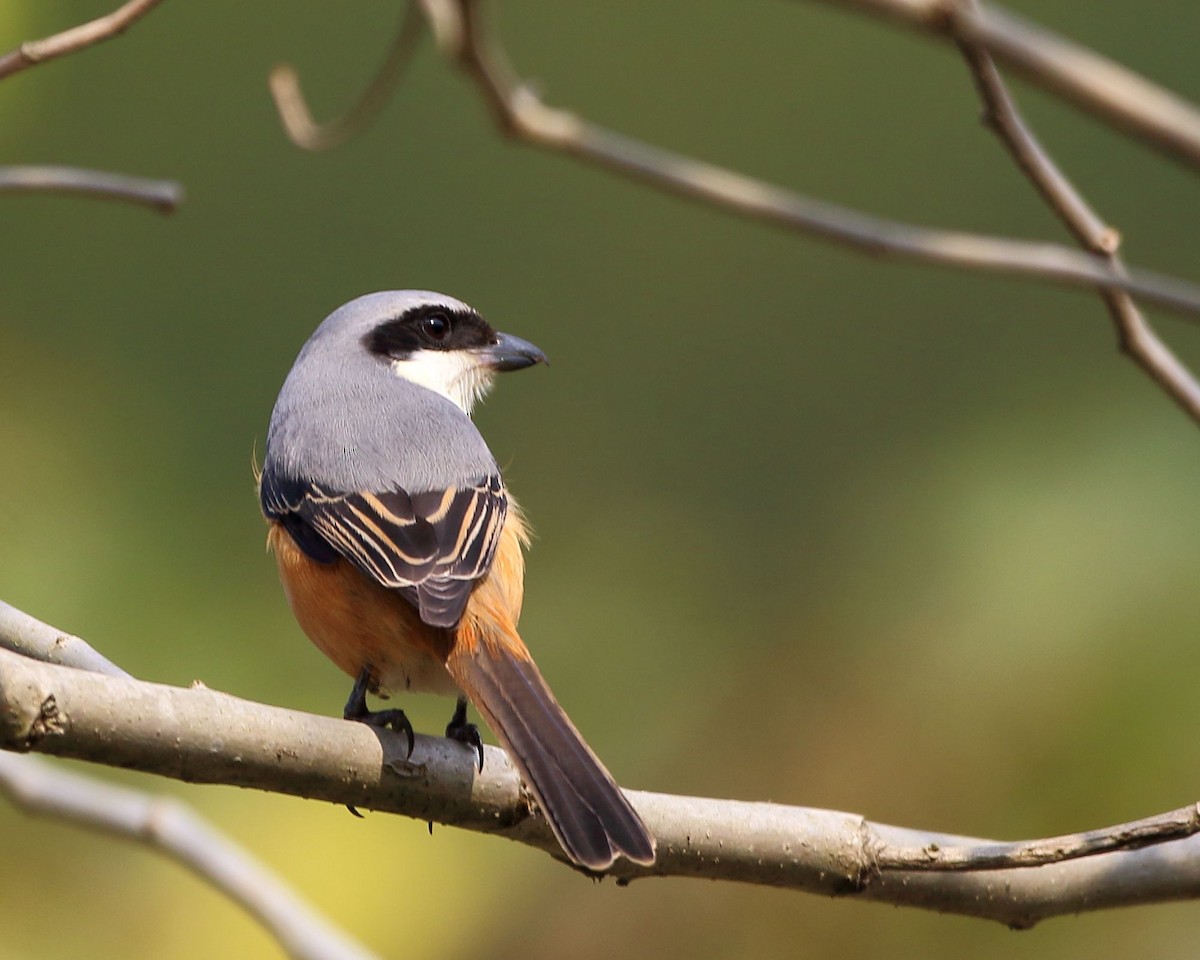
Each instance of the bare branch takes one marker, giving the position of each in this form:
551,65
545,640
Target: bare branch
1138,338
1111,92
1175,825
521,114
163,195
172,829
297,119
28,636
199,735
34,52
163,824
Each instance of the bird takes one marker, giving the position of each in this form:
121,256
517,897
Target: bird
401,551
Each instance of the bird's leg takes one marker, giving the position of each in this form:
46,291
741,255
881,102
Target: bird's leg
356,709
460,729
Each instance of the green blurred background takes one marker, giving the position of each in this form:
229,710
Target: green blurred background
812,528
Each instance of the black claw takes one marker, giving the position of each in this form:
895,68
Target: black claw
356,709
354,810
460,729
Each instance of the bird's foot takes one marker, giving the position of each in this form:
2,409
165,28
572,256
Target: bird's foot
356,709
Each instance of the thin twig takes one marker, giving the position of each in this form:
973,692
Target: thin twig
1137,337
520,113
298,122
1174,825
200,735
172,829
1111,92
163,195
34,52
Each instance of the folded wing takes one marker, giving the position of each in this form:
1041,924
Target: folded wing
431,546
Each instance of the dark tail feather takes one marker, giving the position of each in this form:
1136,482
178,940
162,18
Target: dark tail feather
590,816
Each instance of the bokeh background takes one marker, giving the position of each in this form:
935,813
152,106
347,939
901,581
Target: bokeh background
812,528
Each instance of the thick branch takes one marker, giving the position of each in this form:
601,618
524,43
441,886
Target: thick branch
34,52
163,195
199,735
172,829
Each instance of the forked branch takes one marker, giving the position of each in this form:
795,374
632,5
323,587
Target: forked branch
1109,91
1137,336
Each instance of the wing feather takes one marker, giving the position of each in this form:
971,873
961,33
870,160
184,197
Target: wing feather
431,546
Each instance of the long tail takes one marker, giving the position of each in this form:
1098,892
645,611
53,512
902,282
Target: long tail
589,814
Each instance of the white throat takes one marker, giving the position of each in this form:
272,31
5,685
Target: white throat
457,375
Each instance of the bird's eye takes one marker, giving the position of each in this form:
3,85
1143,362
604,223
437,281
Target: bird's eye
436,326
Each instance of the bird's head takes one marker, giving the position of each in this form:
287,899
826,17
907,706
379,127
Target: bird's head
429,339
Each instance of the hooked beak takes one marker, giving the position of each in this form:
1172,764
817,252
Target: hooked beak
511,353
